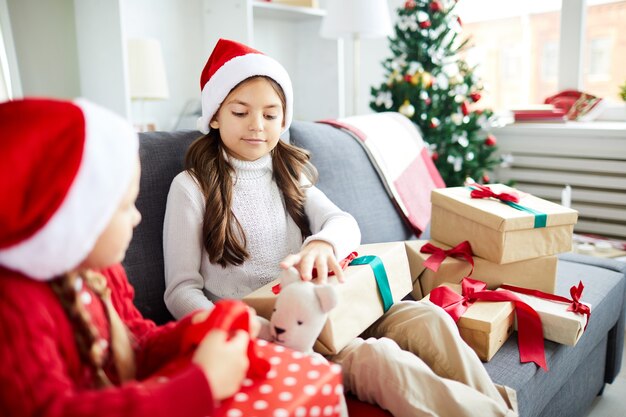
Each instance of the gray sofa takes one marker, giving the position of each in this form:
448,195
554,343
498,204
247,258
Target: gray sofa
577,374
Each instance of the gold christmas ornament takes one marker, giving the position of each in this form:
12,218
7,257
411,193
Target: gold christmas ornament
427,80
407,109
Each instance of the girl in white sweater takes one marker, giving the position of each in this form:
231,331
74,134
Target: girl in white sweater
245,206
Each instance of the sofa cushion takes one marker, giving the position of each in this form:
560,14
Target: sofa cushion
161,156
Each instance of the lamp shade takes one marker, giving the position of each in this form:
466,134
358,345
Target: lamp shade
367,18
146,70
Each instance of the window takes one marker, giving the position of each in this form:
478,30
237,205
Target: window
5,84
9,79
604,49
550,61
521,62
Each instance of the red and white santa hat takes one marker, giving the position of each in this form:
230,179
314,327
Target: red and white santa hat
229,64
65,167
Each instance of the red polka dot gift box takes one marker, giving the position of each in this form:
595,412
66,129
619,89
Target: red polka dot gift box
297,385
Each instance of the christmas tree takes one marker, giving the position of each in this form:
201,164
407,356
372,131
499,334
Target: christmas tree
428,82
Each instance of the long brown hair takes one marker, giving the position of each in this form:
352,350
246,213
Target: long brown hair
223,237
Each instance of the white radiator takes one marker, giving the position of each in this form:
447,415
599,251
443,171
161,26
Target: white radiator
590,157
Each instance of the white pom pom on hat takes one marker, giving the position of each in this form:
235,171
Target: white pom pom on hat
229,64
69,164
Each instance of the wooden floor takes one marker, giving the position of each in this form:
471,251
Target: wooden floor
611,402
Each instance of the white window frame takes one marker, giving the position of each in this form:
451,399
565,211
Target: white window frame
571,41
8,57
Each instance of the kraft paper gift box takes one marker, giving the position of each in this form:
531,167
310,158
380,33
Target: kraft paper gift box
360,303
498,232
485,325
296,385
537,273
558,324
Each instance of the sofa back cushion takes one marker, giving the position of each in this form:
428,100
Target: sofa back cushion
348,178
161,155
345,175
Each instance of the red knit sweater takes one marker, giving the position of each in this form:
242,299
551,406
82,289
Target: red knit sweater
41,372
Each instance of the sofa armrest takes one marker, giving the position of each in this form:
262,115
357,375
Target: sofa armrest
615,344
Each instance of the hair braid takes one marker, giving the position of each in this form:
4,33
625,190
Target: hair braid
90,348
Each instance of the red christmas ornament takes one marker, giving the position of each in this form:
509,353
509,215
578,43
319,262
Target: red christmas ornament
486,179
465,108
407,78
475,97
428,101
425,24
490,140
434,156
409,5
434,123
436,6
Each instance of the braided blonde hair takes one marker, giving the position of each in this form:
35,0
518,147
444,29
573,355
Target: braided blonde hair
93,349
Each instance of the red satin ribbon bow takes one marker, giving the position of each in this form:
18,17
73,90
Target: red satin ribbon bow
529,330
227,315
342,263
481,191
461,251
575,304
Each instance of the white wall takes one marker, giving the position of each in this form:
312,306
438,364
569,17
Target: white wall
44,38
67,48
373,53
178,26
101,54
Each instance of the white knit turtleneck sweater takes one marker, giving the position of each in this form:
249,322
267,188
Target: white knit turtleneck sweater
193,282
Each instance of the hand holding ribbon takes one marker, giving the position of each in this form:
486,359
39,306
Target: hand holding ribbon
575,305
461,251
227,315
530,332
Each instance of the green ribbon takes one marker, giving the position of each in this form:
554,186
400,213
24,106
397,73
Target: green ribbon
540,218
380,275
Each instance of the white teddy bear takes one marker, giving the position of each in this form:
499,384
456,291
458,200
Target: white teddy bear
300,311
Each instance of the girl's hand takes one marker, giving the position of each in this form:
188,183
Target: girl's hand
224,362
318,254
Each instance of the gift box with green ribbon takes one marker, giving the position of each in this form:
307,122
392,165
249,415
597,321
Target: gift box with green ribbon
502,224
378,277
433,263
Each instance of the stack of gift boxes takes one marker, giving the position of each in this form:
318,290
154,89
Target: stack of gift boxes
494,243
512,242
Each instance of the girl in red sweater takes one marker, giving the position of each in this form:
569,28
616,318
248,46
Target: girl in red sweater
71,341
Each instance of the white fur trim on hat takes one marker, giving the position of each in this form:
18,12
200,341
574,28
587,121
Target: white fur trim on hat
235,71
105,173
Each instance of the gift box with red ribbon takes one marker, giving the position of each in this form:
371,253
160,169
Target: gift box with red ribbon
433,263
374,280
563,319
485,326
296,385
503,225
463,301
